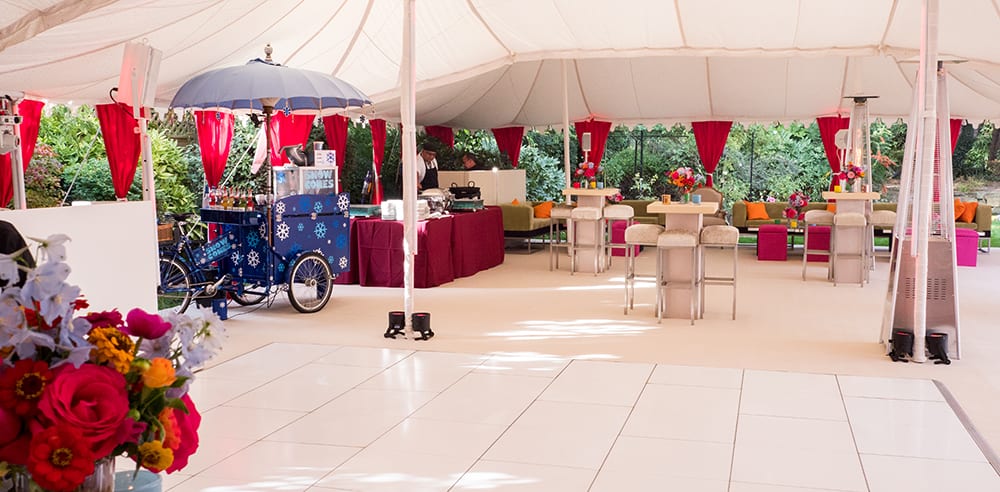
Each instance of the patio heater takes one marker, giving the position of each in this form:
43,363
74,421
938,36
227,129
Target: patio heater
922,298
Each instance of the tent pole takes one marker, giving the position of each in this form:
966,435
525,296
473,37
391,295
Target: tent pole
148,182
407,112
17,164
565,81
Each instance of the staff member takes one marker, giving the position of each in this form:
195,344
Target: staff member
469,162
427,167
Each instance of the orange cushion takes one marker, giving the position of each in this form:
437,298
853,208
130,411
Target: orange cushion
756,211
831,207
515,202
543,210
959,209
969,214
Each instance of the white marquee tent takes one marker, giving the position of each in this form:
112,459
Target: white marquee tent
493,63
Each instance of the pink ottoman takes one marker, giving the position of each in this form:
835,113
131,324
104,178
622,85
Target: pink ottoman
772,242
819,238
618,236
966,246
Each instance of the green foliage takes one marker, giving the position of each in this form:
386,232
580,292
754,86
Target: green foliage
545,175
175,188
42,183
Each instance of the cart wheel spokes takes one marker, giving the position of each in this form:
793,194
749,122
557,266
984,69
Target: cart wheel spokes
310,283
174,292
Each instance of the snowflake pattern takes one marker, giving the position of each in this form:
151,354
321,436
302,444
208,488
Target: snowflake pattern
341,241
279,208
318,207
235,257
343,203
281,267
282,231
320,230
262,229
253,239
305,203
343,262
301,227
253,259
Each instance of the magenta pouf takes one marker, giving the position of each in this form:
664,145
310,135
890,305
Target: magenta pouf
618,236
772,242
819,239
966,246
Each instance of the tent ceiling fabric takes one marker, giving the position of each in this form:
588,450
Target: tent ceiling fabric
495,63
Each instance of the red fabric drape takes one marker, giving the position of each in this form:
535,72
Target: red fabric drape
509,142
215,137
956,128
378,153
443,133
288,130
710,137
598,137
120,132
31,114
828,128
335,129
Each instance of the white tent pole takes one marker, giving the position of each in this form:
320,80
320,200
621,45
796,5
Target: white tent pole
407,76
148,183
928,94
17,166
565,87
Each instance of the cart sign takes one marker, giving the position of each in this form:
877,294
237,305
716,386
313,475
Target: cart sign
318,180
325,157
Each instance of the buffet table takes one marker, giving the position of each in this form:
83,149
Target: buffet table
451,247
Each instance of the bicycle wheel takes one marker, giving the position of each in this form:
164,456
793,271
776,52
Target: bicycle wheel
310,283
248,298
174,291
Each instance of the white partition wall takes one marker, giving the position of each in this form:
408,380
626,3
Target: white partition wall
502,186
112,249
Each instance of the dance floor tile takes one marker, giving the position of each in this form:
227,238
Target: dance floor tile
605,383
685,412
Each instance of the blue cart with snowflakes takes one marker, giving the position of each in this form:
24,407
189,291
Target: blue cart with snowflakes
301,245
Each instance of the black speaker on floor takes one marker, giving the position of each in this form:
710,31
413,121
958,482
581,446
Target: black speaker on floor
421,323
902,345
397,323
937,345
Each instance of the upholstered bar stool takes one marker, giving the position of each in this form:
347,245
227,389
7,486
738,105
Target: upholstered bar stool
667,241
613,213
560,216
841,223
586,217
817,218
636,235
885,220
722,237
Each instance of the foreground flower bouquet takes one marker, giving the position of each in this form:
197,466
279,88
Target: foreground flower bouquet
79,388
686,180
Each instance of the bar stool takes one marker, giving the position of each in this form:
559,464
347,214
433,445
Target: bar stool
670,240
883,219
636,235
559,220
614,213
817,218
578,216
722,237
841,223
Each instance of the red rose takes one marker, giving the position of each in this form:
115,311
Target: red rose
144,325
14,438
91,398
59,459
187,425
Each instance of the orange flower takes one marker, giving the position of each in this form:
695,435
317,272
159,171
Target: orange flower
160,373
154,457
111,346
171,434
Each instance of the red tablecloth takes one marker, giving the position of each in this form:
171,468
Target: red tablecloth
380,253
477,241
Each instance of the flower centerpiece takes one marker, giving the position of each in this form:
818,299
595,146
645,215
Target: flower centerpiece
851,175
77,390
587,173
687,180
796,201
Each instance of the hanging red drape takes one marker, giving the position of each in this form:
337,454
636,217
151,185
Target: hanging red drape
335,129
288,129
378,153
215,138
443,133
509,142
828,128
956,128
31,114
120,132
710,137
598,137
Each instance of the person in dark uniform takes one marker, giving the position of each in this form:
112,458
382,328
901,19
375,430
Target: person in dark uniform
427,167
469,162
11,241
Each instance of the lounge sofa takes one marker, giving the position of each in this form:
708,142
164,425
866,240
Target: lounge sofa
982,223
519,221
641,215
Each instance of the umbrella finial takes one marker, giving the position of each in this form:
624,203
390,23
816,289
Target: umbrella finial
267,53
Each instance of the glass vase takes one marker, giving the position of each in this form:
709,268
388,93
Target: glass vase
856,186
101,480
687,197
